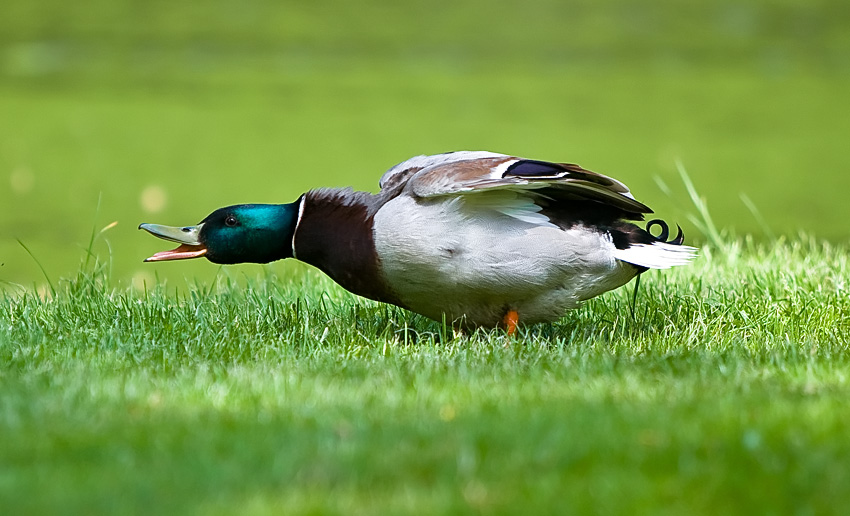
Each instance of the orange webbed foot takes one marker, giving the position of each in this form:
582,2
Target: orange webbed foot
510,321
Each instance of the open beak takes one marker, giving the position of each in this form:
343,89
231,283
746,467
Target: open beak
187,237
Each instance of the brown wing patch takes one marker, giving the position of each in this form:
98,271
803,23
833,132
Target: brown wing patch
453,178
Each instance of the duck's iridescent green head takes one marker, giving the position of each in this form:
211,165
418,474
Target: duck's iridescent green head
255,233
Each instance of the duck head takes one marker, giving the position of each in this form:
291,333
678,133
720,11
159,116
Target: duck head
253,233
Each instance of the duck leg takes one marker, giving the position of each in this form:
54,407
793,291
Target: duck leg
510,321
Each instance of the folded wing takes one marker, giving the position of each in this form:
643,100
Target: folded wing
471,173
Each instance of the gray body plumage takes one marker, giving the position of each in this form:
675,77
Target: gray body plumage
472,263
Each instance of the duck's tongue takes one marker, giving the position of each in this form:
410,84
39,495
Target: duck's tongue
187,237
181,253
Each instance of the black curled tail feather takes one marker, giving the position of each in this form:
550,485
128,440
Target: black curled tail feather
662,237
665,232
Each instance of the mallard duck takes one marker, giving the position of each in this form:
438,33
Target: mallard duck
480,238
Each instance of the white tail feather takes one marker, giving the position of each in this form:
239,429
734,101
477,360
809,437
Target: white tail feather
657,255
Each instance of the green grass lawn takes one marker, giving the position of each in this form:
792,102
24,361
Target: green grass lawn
726,394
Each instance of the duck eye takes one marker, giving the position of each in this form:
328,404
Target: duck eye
230,221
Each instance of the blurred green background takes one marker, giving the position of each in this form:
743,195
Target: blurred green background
166,110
